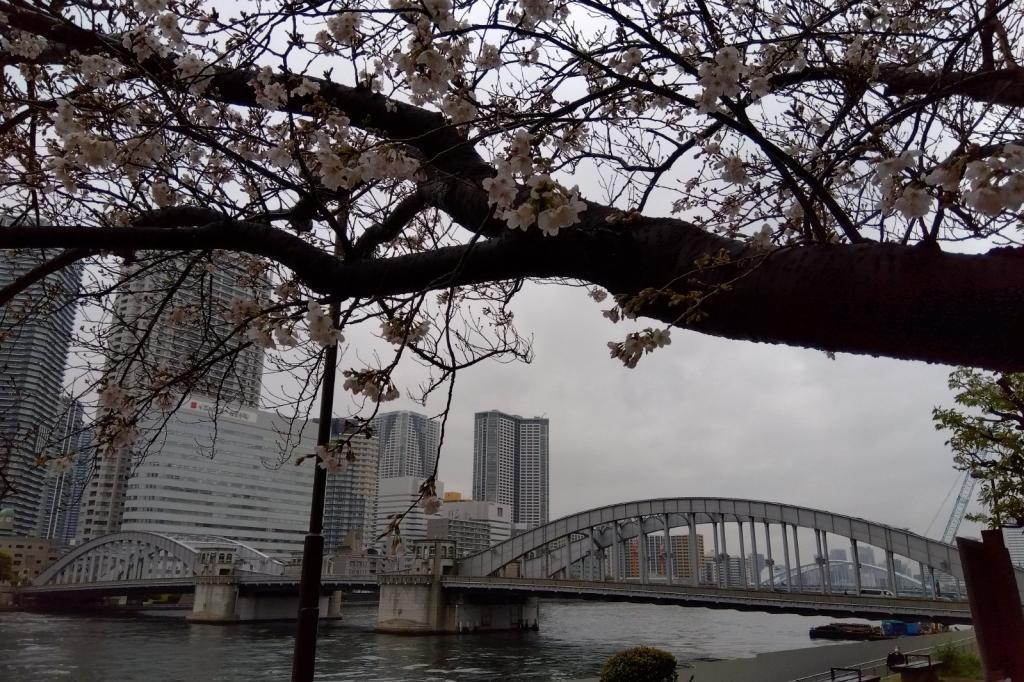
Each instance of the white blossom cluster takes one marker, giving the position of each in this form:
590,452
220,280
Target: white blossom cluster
549,206
344,28
912,201
372,383
341,166
429,501
397,331
331,458
80,147
243,309
997,183
637,344
720,78
23,44
117,427
321,329
271,94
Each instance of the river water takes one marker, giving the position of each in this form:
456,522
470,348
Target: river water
573,641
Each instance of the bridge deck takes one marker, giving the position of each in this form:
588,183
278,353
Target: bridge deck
801,602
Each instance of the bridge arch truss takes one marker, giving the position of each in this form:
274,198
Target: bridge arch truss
138,555
601,536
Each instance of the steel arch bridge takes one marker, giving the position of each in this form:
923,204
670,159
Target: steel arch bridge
601,535
136,555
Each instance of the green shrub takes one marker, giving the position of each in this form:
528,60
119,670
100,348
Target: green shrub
958,663
640,664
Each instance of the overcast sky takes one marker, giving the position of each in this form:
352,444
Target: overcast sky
712,417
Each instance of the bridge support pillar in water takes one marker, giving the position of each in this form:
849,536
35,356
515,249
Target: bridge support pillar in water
417,604
216,600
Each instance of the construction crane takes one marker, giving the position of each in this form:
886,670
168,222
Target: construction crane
959,507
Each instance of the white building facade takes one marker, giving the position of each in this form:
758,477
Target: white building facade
235,478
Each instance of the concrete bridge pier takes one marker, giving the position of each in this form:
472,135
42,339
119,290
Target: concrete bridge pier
417,603
216,600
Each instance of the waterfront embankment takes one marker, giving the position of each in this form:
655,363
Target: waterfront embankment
813,664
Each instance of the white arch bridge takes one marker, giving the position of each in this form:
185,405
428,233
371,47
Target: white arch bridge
747,552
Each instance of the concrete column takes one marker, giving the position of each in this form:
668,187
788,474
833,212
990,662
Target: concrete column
641,550
215,601
785,551
856,565
616,559
334,605
691,522
743,556
770,563
890,567
718,557
669,556
753,553
796,553
547,561
828,561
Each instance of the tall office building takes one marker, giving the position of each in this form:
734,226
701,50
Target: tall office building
235,478
35,334
179,311
510,465
399,495
408,443
63,488
350,502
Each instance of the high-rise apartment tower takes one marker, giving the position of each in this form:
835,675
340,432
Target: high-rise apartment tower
35,335
408,443
350,502
510,465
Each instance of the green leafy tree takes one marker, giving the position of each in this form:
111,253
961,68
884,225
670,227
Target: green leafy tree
987,428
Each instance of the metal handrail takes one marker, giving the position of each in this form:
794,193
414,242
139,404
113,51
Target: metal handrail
877,662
